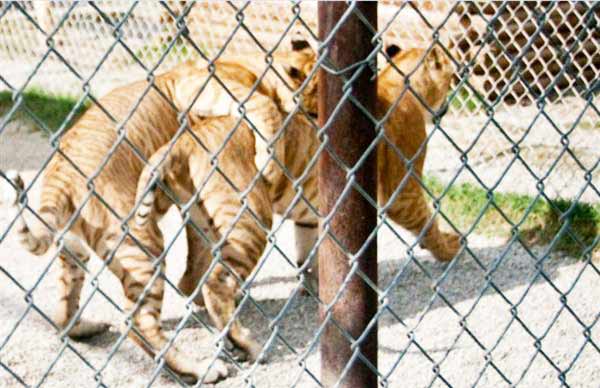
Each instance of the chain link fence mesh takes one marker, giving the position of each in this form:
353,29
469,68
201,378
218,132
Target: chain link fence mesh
83,39
522,120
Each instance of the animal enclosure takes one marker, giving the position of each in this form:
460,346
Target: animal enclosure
485,213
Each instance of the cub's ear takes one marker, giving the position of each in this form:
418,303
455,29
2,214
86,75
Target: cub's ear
436,58
302,40
298,45
392,50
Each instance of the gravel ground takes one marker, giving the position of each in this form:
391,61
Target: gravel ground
438,336
21,148
542,156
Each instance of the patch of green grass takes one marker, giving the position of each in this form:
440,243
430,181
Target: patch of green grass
536,220
464,99
52,110
180,51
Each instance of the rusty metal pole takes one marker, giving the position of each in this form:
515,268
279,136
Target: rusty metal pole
350,133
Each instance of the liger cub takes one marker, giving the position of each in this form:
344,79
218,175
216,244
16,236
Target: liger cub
212,166
404,128
89,186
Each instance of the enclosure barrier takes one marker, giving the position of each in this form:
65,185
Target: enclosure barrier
347,183
541,31
516,302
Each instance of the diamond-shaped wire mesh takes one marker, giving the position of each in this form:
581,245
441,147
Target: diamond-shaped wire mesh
487,214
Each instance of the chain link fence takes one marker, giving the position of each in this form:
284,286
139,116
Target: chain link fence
485,219
541,32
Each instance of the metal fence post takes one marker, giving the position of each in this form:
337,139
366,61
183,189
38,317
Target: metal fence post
349,134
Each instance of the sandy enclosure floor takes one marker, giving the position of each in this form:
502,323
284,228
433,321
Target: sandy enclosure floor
490,345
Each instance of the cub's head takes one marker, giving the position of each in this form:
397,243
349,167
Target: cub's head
431,79
297,65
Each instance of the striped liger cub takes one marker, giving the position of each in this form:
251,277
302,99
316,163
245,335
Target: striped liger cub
89,186
405,129
214,167
185,166
406,133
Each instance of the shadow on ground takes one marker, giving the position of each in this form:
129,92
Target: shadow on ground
411,292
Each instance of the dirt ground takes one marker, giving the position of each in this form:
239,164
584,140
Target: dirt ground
420,333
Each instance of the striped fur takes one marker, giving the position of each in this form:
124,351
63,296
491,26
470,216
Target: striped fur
405,128
265,119
94,148
186,169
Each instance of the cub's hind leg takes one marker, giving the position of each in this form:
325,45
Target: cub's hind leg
70,281
244,243
143,286
172,168
199,257
306,233
240,252
136,271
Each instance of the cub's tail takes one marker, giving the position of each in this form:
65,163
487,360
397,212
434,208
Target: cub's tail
158,164
55,205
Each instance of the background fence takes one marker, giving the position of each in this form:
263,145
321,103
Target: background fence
536,33
513,165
